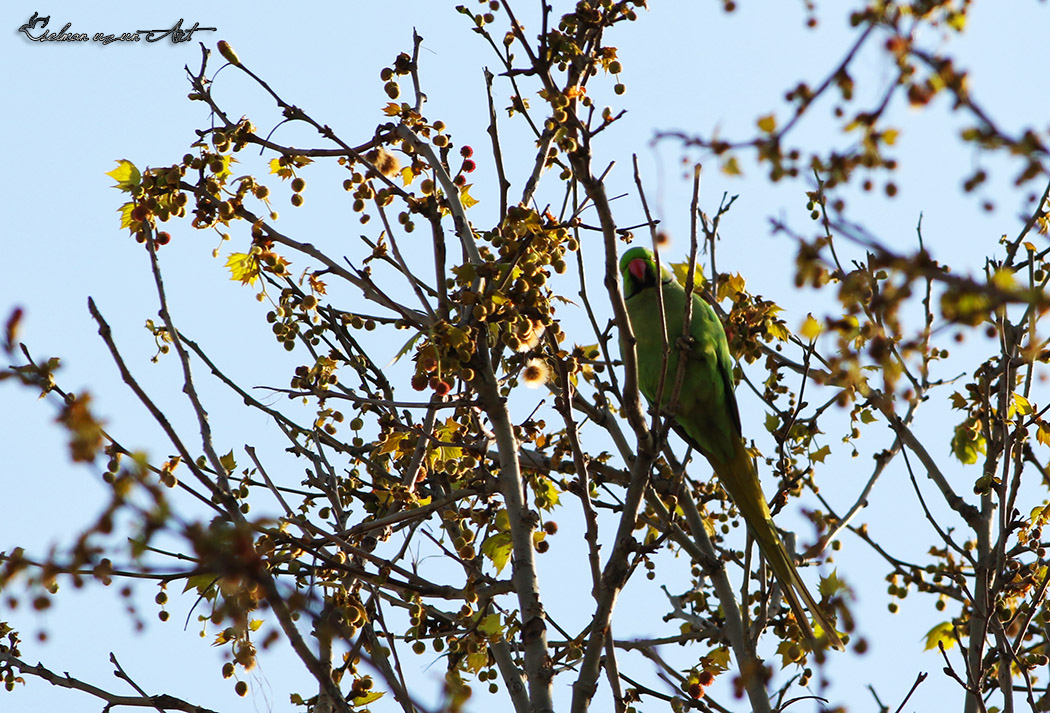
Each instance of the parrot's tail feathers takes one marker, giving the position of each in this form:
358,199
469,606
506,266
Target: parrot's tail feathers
794,591
740,479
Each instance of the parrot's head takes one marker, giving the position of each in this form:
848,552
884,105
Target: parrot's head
638,269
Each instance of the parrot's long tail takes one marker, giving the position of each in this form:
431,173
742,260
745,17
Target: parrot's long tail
739,478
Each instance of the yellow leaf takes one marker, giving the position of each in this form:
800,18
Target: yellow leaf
502,522
940,634
777,330
767,123
1030,247
717,661
223,636
681,271
831,585
366,698
1043,434
228,462
126,220
1039,515
790,652
491,625
731,287
408,175
731,167
125,174
589,351
546,494
477,660
1022,405
383,497
284,171
821,454
889,136
810,328
1004,279
391,443
465,198
243,267
225,171
392,109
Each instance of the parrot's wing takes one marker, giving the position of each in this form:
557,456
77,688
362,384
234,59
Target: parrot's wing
709,352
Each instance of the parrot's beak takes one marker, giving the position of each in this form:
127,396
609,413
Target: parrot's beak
638,268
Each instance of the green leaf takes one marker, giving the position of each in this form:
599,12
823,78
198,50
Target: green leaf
138,546
405,349
498,548
126,175
968,442
201,582
820,454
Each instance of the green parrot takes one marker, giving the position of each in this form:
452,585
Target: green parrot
707,417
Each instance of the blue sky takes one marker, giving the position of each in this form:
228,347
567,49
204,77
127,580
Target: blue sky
74,108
